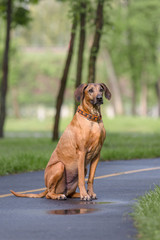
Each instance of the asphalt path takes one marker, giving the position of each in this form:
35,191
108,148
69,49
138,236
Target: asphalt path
117,186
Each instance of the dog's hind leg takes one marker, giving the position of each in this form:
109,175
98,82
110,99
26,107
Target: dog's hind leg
55,181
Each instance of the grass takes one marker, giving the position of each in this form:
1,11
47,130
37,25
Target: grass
24,154
28,145
146,215
118,124
130,146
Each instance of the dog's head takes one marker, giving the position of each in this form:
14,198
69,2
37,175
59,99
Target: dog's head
93,93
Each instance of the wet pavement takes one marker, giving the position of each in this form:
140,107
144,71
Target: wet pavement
108,217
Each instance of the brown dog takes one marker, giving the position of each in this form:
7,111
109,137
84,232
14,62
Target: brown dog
79,146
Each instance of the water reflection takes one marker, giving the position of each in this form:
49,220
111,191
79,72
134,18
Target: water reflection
72,211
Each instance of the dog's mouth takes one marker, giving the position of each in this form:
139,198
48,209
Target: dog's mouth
97,102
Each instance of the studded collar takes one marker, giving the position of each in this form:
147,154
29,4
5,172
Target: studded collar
91,117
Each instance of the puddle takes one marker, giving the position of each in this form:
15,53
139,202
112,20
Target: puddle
72,211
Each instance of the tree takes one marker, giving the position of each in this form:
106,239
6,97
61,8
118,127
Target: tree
14,13
82,37
96,41
157,85
142,47
60,95
133,47
114,84
112,34
4,81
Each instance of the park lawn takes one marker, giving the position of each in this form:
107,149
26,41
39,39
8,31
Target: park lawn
28,145
146,215
24,154
118,124
125,146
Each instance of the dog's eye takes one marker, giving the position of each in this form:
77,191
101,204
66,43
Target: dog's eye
101,90
90,90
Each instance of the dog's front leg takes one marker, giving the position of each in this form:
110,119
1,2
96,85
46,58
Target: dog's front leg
93,167
81,177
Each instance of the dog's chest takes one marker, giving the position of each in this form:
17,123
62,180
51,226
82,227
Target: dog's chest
94,142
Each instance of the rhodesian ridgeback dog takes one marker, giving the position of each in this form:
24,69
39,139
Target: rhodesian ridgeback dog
79,146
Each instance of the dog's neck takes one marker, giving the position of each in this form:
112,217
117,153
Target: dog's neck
89,108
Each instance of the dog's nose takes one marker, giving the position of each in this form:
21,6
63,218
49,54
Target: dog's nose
99,98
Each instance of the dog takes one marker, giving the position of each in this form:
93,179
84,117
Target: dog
79,146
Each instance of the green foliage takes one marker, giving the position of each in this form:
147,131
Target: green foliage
49,25
50,28
20,16
35,77
133,40
20,11
146,215
142,21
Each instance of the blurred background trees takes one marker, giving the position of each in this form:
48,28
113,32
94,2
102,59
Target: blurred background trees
115,42
14,13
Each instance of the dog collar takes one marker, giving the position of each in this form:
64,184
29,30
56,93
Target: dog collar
91,117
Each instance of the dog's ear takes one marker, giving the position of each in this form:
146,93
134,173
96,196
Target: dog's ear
106,90
79,92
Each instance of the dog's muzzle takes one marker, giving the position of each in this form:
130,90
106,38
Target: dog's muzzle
99,99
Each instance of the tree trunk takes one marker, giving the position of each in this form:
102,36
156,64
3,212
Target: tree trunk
5,68
134,84
64,81
133,107
115,89
133,74
15,102
143,103
158,95
82,38
96,42
131,60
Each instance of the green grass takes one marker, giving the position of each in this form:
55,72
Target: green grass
127,138
130,146
118,124
147,215
24,154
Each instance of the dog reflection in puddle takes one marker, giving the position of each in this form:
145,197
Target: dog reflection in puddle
72,211
77,210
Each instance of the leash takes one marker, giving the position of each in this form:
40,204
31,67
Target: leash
91,117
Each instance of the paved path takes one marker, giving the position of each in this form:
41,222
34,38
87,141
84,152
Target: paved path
36,219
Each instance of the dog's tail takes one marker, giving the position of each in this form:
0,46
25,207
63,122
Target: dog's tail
30,195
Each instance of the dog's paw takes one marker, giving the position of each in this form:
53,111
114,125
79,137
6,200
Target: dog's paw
56,196
92,195
62,197
85,197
